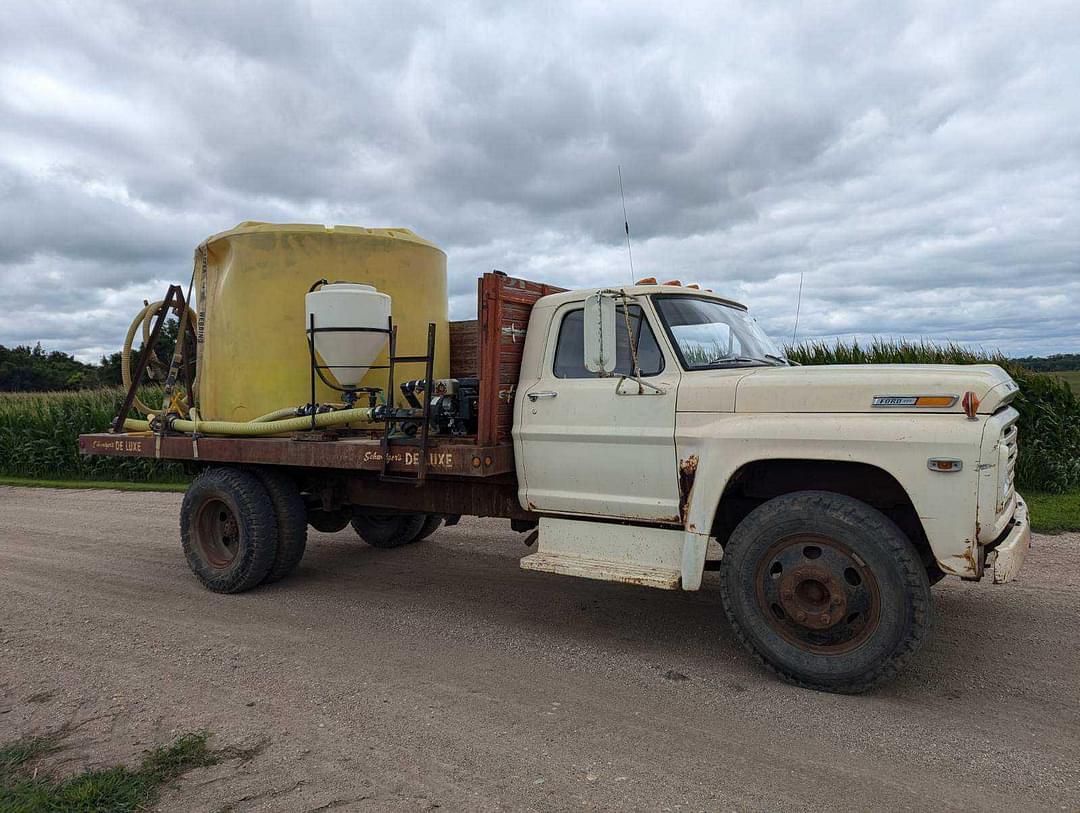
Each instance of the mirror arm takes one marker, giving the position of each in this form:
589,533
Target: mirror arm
641,386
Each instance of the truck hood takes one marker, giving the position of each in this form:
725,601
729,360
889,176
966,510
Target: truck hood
854,387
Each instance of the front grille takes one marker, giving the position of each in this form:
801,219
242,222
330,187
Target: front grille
1007,490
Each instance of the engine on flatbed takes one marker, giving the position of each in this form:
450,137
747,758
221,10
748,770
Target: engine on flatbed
452,405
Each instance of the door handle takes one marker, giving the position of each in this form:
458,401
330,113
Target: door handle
536,396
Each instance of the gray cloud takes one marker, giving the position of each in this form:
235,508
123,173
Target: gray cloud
917,164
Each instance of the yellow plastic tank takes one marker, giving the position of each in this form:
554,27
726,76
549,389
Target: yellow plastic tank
253,353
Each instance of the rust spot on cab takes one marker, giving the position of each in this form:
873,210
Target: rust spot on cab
687,474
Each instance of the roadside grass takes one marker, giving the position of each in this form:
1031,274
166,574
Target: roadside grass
1072,377
1054,513
117,485
26,789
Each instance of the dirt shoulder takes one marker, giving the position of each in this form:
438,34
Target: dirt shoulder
441,675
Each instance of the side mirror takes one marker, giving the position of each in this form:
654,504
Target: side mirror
599,334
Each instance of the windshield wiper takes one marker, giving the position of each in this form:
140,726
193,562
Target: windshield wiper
782,361
737,360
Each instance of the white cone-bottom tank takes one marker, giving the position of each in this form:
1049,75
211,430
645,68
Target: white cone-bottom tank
351,328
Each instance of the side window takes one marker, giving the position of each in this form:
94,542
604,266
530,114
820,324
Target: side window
570,351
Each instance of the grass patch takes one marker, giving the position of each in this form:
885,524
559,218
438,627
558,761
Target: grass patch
27,482
1054,513
23,789
17,754
1071,377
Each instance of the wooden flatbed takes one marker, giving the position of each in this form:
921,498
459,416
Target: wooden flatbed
471,475
447,456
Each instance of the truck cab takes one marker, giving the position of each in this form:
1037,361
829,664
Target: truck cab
656,427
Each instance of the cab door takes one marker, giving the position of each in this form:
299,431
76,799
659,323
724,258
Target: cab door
592,445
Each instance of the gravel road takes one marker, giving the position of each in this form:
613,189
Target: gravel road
441,675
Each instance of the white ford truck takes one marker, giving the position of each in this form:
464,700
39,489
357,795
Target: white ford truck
647,435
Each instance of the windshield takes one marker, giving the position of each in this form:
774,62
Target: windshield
709,334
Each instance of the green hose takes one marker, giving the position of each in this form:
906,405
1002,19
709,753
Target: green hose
276,415
257,429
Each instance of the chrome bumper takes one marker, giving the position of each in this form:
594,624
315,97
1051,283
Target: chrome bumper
1006,559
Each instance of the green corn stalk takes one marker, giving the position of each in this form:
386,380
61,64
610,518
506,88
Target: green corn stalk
1049,422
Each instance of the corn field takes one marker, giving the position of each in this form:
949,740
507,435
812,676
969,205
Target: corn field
1049,411
39,431
39,438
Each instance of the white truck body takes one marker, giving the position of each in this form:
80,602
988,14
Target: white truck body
604,448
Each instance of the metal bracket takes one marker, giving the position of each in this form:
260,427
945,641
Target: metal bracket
644,387
174,299
513,331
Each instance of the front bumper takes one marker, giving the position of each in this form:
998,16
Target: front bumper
1006,558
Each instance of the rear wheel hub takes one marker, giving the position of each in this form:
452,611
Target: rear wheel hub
216,533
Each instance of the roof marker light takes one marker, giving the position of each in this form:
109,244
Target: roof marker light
646,281
674,282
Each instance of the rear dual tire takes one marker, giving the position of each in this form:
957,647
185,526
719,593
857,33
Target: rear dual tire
291,516
394,530
242,528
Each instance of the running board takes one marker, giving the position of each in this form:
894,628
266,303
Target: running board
609,551
602,570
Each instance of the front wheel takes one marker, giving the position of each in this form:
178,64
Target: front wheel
826,591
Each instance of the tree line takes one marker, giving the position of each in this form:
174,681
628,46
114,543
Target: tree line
1057,363
33,369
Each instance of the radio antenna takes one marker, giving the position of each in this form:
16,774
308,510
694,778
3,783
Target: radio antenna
626,225
798,305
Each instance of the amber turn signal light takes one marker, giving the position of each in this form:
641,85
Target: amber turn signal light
935,401
970,404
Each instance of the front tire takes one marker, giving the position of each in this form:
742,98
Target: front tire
228,529
826,591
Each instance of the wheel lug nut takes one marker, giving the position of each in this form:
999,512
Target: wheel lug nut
825,618
800,616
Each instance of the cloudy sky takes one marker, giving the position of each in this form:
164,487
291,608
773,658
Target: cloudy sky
918,163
